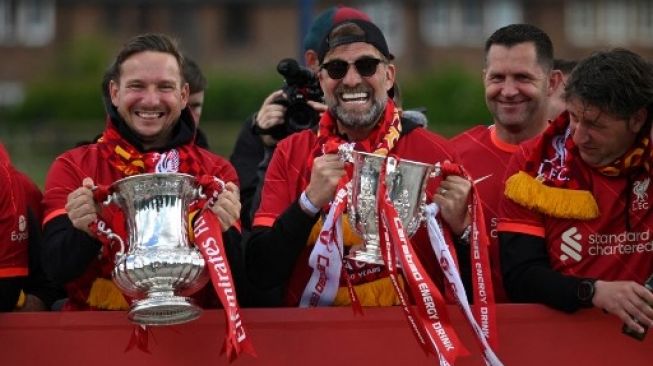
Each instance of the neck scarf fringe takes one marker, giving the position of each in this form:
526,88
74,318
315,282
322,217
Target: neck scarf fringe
551,182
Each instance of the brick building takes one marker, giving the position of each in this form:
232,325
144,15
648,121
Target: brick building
253,35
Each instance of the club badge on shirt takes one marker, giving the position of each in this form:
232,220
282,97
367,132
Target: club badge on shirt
640,189
168,162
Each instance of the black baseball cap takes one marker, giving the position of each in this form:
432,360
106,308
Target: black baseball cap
371,34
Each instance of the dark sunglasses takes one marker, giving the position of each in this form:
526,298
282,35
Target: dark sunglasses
365,66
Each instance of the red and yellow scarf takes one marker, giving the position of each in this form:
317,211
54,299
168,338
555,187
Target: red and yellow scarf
124,158
381,140
552,181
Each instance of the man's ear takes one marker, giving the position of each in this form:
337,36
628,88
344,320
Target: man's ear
390,72
113,92
555,81
185,93
310,57
638,119
320,78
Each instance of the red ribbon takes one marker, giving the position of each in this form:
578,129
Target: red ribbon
481,316
208,239
332,147
484,308
431,318
140,338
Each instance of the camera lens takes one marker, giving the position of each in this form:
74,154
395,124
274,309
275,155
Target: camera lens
300,116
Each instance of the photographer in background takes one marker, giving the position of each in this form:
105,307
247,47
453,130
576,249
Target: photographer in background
253,150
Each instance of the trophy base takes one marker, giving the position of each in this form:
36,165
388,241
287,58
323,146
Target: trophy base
159,311
367,256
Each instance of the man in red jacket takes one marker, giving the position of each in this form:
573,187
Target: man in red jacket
575,228
149,129
519,80
20,230
356,73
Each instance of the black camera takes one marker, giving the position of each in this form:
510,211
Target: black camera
300,86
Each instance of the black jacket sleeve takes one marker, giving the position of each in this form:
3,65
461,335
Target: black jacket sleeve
37,283
9,291
248,153
255,199
463,250
528,276
271,252
66,251
233,247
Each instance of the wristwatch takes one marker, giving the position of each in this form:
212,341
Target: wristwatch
585,291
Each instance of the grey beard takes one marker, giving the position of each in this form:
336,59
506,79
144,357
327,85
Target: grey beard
357,120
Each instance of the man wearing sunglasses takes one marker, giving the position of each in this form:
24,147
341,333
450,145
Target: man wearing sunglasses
252,151
356,74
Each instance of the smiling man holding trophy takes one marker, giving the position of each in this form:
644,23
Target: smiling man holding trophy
301,237
150,241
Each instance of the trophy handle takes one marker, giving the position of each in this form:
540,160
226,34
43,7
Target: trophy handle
346,152
111,199
198,193
437,170
208,188
107,197
391,166
103,229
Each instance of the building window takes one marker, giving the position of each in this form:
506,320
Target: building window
609,22
11,93
462,22
580,22
388,15
184,26
35,22
499,13
28,23
644,22
238,27
7,21
613,18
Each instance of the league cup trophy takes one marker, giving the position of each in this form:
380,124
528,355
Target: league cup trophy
161,267
406,183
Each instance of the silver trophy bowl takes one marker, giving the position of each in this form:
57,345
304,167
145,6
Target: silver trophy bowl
161,267
406,183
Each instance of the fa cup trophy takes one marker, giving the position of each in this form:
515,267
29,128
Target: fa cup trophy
161,266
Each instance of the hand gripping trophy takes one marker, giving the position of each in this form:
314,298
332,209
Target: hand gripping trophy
406,184
393,192
159,266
